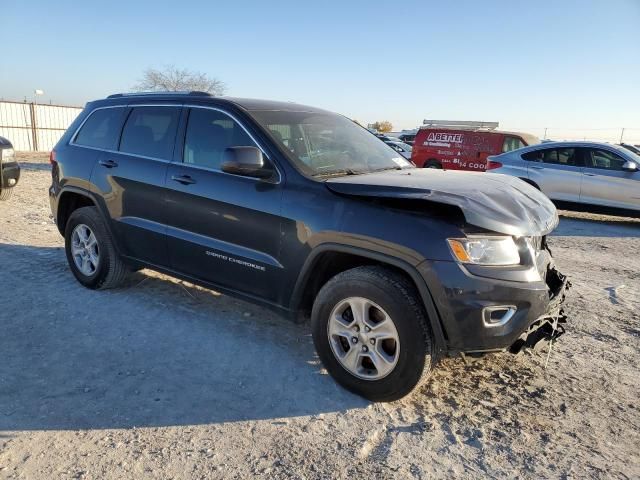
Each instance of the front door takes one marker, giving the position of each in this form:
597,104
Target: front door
606,183
222,228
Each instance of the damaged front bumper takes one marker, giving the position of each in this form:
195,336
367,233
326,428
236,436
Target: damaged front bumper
550,326
479,314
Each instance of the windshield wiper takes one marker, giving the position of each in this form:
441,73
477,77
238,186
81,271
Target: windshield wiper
382,169
337,173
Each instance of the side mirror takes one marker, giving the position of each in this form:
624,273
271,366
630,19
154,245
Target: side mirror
245,161
629,166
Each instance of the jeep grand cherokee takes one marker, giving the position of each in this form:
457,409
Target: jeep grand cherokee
305,212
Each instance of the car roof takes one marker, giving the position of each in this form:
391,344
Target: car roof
577,143
528,137
250,104
569,144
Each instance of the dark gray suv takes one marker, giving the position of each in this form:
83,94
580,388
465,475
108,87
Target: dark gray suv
307,213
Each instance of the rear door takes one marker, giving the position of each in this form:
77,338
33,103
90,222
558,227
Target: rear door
557,171
604,181
100,131
222,228
131,179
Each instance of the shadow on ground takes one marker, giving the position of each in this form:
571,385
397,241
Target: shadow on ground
35,167
157,353
585,227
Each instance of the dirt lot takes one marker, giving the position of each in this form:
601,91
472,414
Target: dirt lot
167,380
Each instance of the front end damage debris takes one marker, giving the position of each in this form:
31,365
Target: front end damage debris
550,326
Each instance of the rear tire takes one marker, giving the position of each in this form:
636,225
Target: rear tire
5,193
386,296
433,164
94,262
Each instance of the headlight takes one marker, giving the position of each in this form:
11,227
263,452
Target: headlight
485,250
7,155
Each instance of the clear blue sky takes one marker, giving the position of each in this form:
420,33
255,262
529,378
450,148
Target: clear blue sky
556,63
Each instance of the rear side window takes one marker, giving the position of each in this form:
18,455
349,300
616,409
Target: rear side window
209,134
512,143
560,156
150,131
534,156
102,129
567,156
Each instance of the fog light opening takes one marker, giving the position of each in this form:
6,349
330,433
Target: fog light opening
497,316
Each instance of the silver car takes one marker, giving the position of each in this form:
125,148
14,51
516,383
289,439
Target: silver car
580,172
401,147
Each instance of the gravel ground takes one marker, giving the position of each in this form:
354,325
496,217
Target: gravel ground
167,380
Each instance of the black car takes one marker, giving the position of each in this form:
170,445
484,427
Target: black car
9,169
307,213
407,138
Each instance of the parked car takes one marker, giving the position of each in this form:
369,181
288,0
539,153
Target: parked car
305,212
635,149
386,138
407,138
578,172
464,148
9,169
400,147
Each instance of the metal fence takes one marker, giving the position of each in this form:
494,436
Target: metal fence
31,127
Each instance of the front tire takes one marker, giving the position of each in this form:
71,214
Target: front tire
371,333
90,251
433,164
5,193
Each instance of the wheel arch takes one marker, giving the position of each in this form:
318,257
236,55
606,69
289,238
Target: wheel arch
69,200
72,198
327,260
432,161
530,182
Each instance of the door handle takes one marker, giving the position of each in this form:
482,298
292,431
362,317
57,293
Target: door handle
590,174
108,163
183,179
536,167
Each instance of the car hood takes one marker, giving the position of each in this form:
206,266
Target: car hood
495,202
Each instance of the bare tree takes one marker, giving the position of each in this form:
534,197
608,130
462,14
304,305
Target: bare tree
172,79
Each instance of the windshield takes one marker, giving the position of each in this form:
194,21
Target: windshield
631,148
326,144
629,152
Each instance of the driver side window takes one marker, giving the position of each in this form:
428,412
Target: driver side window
604,159
209,133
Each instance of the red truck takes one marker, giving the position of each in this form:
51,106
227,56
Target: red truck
463,145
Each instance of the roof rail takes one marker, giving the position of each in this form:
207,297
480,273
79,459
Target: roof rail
460,124
194,93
